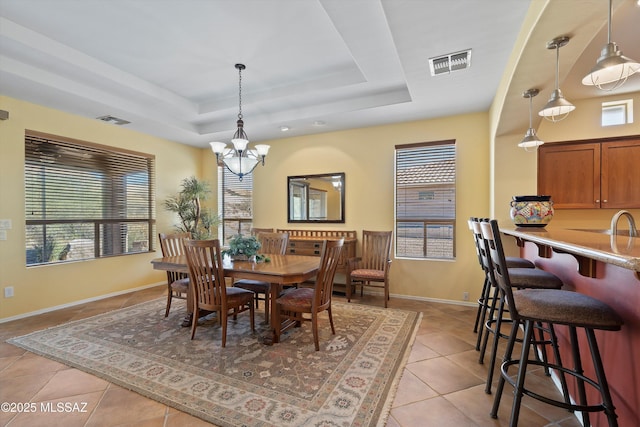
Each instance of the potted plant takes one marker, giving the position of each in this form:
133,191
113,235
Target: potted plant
201,222
242,248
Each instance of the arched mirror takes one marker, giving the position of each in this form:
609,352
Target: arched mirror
316,198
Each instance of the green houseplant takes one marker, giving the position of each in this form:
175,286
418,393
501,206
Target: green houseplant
201,222
242,247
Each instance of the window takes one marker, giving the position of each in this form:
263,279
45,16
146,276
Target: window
317,204
235,203
85,201
426,200
617,112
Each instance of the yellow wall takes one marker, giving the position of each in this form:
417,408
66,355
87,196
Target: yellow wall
367,158
365,155
38,288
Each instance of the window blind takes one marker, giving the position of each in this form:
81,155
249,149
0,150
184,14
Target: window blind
84,200
425,206
236,204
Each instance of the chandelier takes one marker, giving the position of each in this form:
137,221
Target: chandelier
239,160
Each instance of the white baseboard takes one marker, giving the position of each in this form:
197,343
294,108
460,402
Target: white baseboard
71,304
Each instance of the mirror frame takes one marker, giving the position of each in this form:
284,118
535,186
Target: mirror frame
316,221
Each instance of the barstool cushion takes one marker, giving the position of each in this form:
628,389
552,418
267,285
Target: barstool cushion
533,278
566,308
515,262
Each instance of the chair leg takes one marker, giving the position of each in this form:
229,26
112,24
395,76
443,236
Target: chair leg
505,364
494,347
314,326
169,297
276,328
522,371
194,320
349,284
223,324
558,361
486,288
333,330
483,338
607,402
577,363
252,317
386,293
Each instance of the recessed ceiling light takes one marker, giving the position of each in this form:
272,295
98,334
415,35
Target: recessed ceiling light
284,128
319,123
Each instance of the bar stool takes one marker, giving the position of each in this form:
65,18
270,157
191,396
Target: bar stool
522,278
486,298
554,307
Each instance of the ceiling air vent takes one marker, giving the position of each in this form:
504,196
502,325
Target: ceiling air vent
452,62
114,120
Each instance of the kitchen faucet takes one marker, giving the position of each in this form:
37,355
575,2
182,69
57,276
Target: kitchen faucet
633,232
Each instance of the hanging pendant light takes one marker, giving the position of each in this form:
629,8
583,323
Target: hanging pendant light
612,68
558,108
530,139
239,160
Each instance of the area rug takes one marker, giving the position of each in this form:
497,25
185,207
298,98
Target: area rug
351,381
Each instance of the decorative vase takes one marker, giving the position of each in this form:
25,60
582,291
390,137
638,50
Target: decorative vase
531,211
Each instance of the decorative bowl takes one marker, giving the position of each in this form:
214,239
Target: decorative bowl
531,211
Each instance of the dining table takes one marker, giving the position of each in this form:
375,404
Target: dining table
277,270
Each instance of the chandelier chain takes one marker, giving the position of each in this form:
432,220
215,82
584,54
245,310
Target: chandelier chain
240,93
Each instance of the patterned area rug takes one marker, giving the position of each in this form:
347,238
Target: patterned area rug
349,382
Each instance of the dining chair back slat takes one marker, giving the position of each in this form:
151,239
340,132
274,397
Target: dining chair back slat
273,243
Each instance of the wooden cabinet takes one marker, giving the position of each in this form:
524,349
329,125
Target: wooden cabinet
309,242
591,174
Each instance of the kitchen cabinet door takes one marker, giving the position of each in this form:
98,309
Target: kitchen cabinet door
570,174
620,170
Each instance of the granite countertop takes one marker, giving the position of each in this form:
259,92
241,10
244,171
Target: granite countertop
620,250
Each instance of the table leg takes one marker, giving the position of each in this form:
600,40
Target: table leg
274,290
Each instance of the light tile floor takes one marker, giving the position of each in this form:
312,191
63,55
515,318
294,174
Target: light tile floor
442,384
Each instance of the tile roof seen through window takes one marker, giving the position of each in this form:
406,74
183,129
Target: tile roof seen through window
441,172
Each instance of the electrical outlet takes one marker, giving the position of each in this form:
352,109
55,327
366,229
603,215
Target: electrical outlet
5,224
465,296
8,292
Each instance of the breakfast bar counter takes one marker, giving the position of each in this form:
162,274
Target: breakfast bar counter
587,245
605,267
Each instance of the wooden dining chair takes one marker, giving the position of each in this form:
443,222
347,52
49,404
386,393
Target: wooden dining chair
208,286
297,302
256,231
270,243
372,268
177,282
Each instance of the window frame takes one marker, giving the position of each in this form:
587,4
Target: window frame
102,232
626,105
427,225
